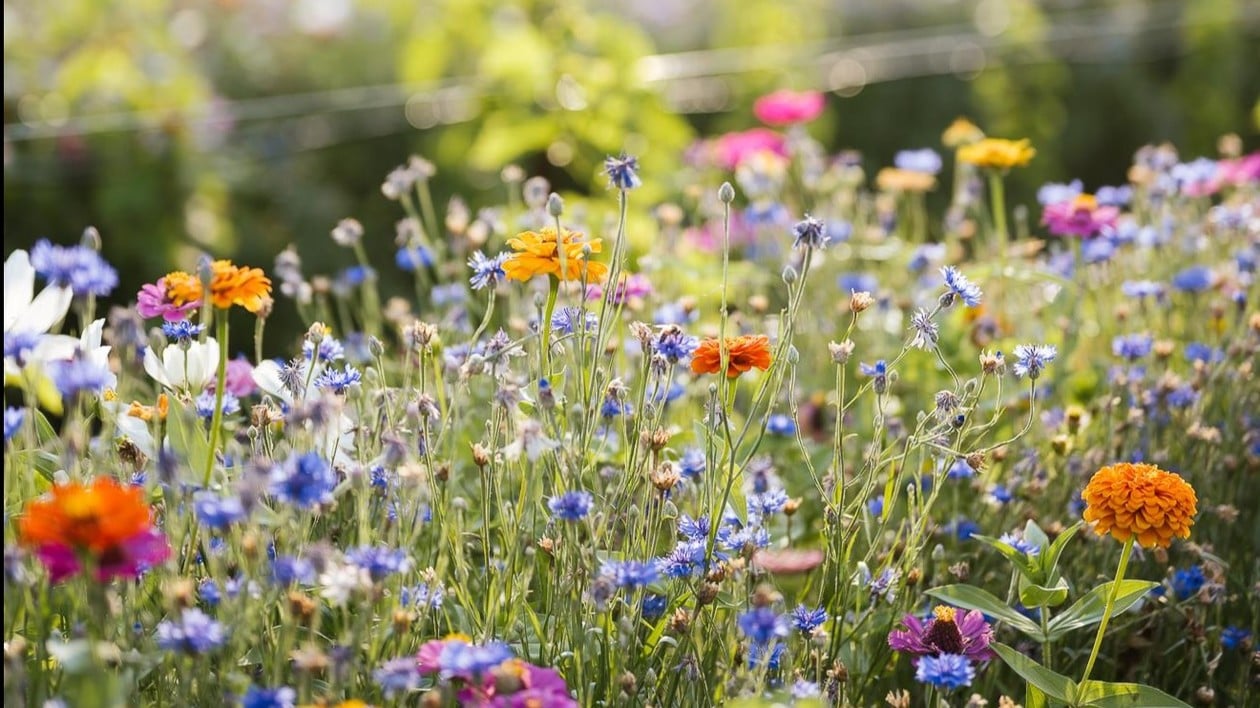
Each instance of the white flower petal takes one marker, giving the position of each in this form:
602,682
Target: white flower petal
47,309
155,366
19,286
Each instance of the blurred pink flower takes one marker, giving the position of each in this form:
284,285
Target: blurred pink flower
635,285
1078,217
733,148
786,107
127,560
240,378
1239,170
152,301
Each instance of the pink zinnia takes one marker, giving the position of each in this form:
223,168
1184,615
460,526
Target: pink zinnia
152,301
535,686
785,107
732,149
1078,217
127,560
950,631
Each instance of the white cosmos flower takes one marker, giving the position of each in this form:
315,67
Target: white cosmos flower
23,310
184,370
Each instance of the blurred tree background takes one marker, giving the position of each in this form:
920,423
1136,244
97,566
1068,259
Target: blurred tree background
237,127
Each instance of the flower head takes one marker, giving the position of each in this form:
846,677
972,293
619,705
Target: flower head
745,353
997,153
1079,216
896,179
194,633
762,625
153,300
79,268
256,697
339,381
571,506
538,253
1140,501
786,107
924,160
304,480
960,287
810,233
948,671
105,521
961,132
487,272
622,172
236,285
950,631
1032,359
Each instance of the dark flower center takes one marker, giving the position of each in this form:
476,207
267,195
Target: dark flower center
943,635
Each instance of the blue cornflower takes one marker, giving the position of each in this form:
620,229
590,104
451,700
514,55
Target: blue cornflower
13,418
20,345
622,172
565,321
802,689
923,160
208,591
857,282
780,424
810,233
1182,397
692,464
1055,193
182,331
1194,279
1001,494
217,512
762,655
611,407
1019,543
765,213
654,606
806,620
685,560
631,574
766,503
379,561
487,272
693,529
1032,359
947,671
960,287
1186,582
1098,250
79,268
422,595
961,470
398,676
963,528
412,258
330,349
674,313
1131,346
885,585
77,376
878,373
1191,176
1234,637
205,404
763,625
287,570
194,633
463,659
283,697
674,344
1114,196
1142,289
876,505
304,480
339,381
571,506
761,475
1246,259
1198,351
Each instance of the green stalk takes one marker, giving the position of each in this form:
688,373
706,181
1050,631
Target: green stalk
544,328
1108,608
997,197
216,422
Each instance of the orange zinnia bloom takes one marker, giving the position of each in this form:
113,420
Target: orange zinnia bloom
229,285
745,353
1139,500
537,254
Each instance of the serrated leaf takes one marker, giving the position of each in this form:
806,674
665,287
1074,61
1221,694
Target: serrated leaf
1056,686
1088,611
1102,694
973,598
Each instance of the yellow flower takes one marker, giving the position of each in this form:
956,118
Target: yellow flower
537,254
895,179
961,132
997,153
1139,500
229,285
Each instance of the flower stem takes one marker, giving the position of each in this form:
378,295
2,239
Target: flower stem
1107,609
544,328
997,197
216,422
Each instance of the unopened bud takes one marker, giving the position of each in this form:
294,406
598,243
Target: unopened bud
555,205
726,193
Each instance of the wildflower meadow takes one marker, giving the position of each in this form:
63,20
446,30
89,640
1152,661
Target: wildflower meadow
788,435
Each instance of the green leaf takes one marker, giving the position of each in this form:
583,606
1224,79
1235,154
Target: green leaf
1027,567
1034,697
1125,695
1056,686
1049,557
1034,535
973,598
188,440
1033,595
1088,611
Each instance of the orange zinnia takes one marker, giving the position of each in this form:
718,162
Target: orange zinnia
745,353
997,153
106,521
229,285
537,254
1139,500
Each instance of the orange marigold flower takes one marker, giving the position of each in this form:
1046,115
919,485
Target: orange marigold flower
105,520
537,254
1139,500
997,153
745,353
236,285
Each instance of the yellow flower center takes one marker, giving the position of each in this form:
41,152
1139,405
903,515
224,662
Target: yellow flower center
944,614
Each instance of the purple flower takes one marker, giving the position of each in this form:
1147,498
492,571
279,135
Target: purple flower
217,512
1032,359
194,633
959,287
152,301
1195,279
398,676
810,233
762,625
339,381
571,506
622,172
950,631
78,267
304,480
379,561
287,570
255,697
127,560
487,272
1082,216
631,574
79,375
1055,193
806,620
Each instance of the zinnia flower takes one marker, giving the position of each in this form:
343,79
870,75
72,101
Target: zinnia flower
1139,500
745,353
961,132
946,633
896,179
229,285
732,149
537,254
154,300
1080,216
107,522
785,107
997,153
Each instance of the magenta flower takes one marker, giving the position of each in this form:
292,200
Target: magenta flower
126,560
152,301
1080,216
944,634
785,107
635,285
240,378
534,686
1239,170
730,150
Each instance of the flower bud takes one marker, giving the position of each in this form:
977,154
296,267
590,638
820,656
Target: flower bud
555,205
726,193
